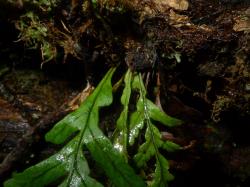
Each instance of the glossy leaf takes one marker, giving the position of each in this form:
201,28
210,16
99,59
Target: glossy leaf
135,125
56,167
138,117
86,116
122,123
156,114
153,141
110,160
69,164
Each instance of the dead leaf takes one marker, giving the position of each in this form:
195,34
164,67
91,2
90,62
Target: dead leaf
76,101
242,25
242,22
177,4
178,20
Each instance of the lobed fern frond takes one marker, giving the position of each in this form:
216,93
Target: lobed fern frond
80,129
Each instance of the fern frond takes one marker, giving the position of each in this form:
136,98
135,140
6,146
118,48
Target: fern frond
69,164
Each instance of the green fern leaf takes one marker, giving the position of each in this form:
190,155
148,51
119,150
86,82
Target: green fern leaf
54,168
69,164
156,114
85,119
136,124
170,146
150,147
153,140
153,112
121,139
162,176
